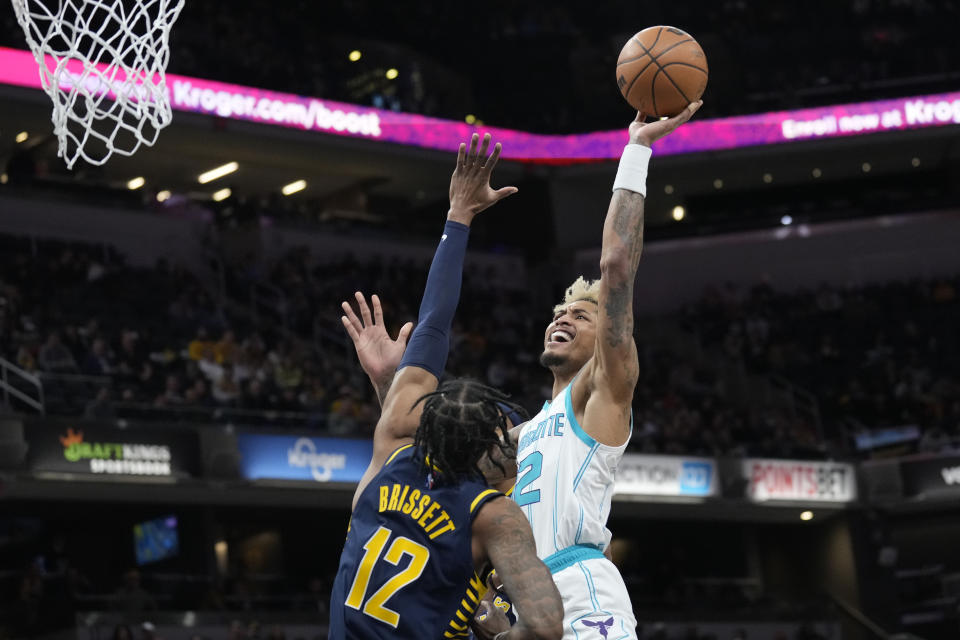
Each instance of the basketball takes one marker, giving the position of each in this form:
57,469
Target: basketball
661,70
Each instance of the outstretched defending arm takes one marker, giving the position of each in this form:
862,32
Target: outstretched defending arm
612,374
426,355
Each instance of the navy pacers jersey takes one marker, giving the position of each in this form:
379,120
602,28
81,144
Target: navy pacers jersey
406,570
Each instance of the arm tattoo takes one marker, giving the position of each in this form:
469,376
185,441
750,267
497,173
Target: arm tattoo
525,578
627,223
617,308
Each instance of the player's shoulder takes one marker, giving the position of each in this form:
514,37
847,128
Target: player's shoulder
496,510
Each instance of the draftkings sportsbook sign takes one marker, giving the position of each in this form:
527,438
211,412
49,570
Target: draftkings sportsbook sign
799,480
104,450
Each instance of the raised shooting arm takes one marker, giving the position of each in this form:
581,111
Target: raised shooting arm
612,374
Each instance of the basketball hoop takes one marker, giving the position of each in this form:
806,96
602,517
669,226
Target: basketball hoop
102,62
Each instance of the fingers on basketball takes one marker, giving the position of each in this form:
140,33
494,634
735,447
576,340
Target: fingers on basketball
686,114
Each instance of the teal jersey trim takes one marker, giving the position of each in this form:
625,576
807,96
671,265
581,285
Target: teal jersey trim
572,419
570,556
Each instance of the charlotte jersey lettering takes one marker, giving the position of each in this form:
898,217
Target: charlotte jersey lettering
564,479
406,570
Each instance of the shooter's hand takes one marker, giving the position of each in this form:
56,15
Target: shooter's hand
378,354
470,191
646,133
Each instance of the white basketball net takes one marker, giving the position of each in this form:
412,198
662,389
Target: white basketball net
102,62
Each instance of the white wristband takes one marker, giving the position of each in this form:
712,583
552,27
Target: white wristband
632,172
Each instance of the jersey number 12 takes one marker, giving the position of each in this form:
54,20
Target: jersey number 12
376,605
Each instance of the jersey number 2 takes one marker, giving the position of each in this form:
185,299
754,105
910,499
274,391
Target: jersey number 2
376,605
530,469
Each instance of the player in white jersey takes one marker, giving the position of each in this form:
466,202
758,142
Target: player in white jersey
567,455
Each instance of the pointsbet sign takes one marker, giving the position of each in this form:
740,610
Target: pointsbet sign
104,450
799,480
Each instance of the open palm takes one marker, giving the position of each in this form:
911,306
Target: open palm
379,355
646,133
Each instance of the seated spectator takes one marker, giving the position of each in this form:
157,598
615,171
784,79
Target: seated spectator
225,390
122,632
199,344
171,392
255,397
344,414
129,356
26,358
197,394
54,357
100,408
287,374
225,349
209,366
131,597
99,359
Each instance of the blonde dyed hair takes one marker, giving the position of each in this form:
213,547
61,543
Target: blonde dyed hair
581,289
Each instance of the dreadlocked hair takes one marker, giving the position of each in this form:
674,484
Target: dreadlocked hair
459,425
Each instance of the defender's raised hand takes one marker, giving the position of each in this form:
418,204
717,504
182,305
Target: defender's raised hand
470,190
646,133
379,355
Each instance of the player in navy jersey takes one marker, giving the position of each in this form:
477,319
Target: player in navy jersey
380,357
425,524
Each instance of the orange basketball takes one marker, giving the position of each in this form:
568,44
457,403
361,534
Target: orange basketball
661,70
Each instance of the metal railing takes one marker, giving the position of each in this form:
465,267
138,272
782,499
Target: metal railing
858,617
11,373
230,415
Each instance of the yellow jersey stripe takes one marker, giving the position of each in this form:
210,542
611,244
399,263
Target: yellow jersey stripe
481,496
509,492
394,454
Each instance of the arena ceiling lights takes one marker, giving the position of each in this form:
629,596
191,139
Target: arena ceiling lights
217,173
222,194
293,187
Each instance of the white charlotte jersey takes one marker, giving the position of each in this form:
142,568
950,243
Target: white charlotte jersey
564,479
